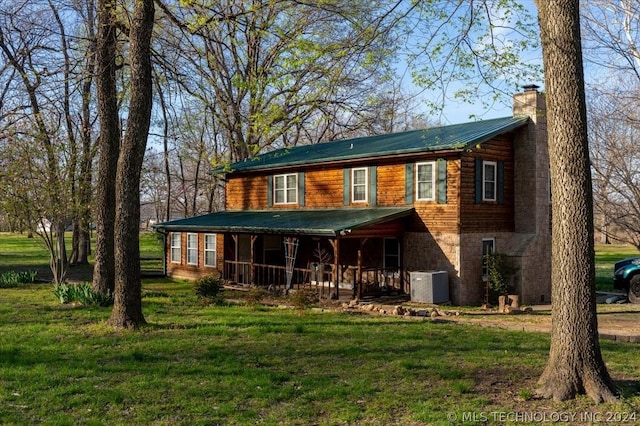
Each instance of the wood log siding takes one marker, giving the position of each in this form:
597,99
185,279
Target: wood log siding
460,213
487,216
246,192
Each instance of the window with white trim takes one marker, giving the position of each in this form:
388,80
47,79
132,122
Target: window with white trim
192,249
488,248
426,181
285,189
210,250
489,180
176,247
359,185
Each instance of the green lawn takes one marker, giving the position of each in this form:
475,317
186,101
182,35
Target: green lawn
18,252
231,364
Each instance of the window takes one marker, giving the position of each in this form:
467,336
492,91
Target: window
488,247
391,253
192,249
359,185
425,181
285,189
489,178
210,250
176,247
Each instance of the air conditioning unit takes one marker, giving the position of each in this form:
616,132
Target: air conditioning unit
429,286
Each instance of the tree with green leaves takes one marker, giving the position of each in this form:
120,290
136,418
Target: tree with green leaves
44,89
271,73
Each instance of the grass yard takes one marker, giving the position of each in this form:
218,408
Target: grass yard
20,253
233,364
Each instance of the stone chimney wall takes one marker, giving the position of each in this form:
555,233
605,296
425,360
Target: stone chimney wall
532,209
532,197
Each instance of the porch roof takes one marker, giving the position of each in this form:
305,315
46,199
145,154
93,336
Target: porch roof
321,222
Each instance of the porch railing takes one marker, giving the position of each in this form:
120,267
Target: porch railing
370,281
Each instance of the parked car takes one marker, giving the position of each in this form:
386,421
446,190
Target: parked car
627,277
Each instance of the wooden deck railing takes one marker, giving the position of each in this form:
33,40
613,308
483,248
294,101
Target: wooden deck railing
370,281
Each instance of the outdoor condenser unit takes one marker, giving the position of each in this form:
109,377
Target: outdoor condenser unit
429,286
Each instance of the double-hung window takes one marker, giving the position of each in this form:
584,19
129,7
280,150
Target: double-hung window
285,189
176,247
489,180
192,249
359,185
426,181
210,250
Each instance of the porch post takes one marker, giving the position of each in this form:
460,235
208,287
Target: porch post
336,250
252,270
401,263
236,253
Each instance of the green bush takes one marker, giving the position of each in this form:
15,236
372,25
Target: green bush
500,270
209,287
304,298
83,294
255,295
12,279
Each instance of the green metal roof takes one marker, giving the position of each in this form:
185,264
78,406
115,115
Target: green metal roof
453,137
299,222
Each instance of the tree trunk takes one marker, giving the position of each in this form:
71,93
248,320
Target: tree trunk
127,308
108,145
575,362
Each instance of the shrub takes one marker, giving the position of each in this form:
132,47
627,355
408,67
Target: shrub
209,287
12,279
304,298
254,296
500,270
83,294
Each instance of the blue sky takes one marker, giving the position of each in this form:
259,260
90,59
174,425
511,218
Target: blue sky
456,111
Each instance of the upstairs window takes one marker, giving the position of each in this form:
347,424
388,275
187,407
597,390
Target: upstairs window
176,247
489,180
425,181
285,189
359,185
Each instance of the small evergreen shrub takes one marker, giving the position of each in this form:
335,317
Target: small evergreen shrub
12,279
209,287
500,270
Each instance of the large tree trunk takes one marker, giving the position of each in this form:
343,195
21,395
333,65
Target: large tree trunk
108,144
127,308
575,363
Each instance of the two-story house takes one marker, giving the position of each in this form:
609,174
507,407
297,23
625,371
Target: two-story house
363,213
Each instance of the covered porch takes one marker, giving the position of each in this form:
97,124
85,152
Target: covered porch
341,252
